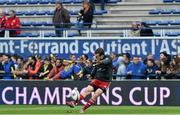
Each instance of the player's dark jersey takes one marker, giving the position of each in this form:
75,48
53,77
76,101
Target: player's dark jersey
104,70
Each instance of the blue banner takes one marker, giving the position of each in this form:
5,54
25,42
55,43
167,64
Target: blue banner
79,46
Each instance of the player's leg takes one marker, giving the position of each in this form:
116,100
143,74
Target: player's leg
93,99
85,93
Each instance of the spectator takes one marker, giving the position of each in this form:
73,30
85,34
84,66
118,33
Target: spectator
174,68
87,69
8,67
135,31
3,20
34,65
145,30
149,56
85,16
22,70
151,69
127,59
136,69
164,64
1,60
13,23
102,2
45,69
121,71
14,59
61,19
56,70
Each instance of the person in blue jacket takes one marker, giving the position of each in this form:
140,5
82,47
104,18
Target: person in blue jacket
136,69
8,67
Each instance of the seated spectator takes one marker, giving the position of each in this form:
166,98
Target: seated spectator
22,69
34,65
45,69
13,23
151,69
1,60
135,31
61,19
127,59
14,59
174,71
164,65
85,16
8,67
121,71
149,56
56,70
145,30
3,20
87,69
136,69
71,71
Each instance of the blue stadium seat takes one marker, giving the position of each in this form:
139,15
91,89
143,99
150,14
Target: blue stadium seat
168,1
166,11
48,24
176,22
41,13
176,11
22,2
33,1
77,1
157,34
177,0
20,13
154,11
12,2
165,22
23,35
171,34
113,1
26,23
152,22
34,35
49,35
2,2
45,1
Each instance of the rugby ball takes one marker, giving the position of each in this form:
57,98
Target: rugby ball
75,95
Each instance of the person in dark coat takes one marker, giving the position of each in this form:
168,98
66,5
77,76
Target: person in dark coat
61,19
85,16
145,30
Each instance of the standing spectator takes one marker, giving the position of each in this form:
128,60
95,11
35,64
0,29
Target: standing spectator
85,16
3,20
13,23
145,30
61,19
8,67
135,31
121,71
102,2
136,69
151,69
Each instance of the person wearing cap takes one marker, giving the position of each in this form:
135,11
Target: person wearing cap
3,20
13,23
61,19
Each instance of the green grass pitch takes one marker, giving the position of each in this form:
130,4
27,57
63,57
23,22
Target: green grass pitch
55,109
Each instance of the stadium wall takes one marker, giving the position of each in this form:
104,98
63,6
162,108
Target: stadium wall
66,46
148,93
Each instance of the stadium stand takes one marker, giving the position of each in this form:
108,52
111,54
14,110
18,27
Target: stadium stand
119,13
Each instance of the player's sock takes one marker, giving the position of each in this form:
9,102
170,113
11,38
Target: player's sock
81,97
88,104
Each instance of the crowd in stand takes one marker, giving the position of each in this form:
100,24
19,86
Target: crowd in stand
79,68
